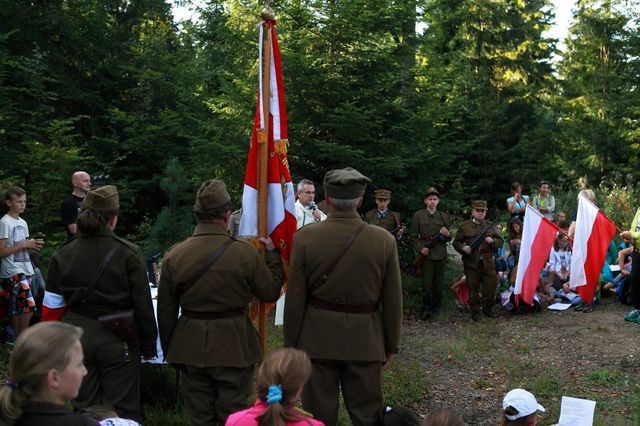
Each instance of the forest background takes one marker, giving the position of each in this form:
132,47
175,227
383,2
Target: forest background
464,95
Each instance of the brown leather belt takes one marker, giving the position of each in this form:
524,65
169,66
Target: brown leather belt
213,315
348,308
485,251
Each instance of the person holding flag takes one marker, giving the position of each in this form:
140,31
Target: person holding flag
634,235
592,232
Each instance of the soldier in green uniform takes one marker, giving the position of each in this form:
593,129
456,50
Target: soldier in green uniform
113,363
344,304
382,216
429,236
212,278
478,263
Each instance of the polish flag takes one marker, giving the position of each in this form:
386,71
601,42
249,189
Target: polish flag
281,213
594,232
538,235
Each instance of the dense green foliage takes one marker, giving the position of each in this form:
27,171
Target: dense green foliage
463,94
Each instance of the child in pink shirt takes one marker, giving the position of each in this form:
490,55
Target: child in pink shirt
280,379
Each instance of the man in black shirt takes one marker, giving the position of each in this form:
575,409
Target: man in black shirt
81,182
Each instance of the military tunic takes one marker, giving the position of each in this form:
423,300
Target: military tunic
478,266
345,348
111,379
390,221
424,226
217,356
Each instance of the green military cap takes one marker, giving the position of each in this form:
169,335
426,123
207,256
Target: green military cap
382,194
104,200
347,183
431,191
211,195
479,205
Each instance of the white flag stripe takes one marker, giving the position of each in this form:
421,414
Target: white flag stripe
586,217
530,228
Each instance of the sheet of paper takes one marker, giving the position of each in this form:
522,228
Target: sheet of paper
280,310
571,295
559,306
614,268
576,412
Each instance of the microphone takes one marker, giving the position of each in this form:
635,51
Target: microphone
313,207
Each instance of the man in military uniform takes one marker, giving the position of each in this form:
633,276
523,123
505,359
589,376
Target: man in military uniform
382,216
429,236
98,274
234,223
344,304
212,278
478,263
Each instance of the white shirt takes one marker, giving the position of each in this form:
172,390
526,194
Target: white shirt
304,215
14,231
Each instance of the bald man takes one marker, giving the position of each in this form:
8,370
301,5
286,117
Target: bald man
81,182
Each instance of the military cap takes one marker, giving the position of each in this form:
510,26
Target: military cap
104,200
479,205
431,191
382,194
211,195
347,183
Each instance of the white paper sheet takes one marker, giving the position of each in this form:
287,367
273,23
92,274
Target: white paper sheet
576,412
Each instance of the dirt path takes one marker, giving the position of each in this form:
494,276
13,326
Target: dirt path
470,366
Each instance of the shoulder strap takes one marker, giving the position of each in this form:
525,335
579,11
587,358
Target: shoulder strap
323,279
98,273
212,259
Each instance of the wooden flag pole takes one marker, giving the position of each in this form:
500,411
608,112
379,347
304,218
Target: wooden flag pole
263,152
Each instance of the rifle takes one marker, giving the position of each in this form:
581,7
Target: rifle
415,268
478,240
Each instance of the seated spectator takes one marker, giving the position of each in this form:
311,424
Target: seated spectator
520,408
517,203
560,217
281,377
461,293
396,416
45,370
559,268
515,240
443,417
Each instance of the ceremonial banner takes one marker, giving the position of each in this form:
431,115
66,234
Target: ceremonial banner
538,235
594,232
270,128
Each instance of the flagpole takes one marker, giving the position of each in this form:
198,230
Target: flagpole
263,151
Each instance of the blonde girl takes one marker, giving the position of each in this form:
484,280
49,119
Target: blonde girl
45,369
281,377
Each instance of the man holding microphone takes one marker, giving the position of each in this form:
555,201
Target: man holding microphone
306,210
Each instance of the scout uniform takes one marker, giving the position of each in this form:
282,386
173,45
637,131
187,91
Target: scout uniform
425,228
113,367
351,323
388,220
213,341
478,266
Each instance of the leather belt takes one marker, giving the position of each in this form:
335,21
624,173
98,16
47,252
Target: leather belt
485,251
348,308
213,315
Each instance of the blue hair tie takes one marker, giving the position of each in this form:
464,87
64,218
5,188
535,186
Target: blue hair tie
274,394
10,383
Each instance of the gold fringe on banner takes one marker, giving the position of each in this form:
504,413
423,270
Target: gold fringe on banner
280,146
262,135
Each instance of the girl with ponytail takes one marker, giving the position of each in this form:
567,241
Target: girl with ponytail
281,377
45,370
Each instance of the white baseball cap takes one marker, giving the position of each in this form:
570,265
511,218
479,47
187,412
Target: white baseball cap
523,401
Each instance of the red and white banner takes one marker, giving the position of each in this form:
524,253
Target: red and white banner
538,235
281,213
594,232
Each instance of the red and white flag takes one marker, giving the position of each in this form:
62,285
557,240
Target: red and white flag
594,232
538,235
281,213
